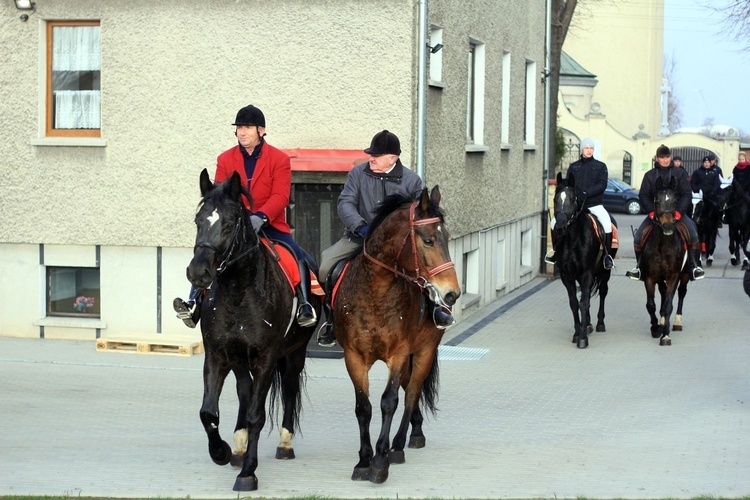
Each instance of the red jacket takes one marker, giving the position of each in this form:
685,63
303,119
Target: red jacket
271,183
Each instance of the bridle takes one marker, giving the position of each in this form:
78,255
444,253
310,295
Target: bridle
420,278
239,232
572,217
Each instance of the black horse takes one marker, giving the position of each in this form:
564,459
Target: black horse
737,213
707,216
579,253
248,326
664,262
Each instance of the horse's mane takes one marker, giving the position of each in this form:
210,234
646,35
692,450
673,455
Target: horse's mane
396,201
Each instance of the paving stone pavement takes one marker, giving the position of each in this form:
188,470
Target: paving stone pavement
534,417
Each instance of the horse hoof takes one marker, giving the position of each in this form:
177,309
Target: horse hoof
249,483
284,453
361,474
676,328
583,343
378,476
417,442
589,329
237,461
575,338
655,332
709,263
734,261
601,328
396,457
223,455
665,341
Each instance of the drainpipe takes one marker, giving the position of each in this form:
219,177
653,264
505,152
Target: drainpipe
545,174
421,86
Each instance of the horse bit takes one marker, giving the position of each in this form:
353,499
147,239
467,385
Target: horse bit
227,255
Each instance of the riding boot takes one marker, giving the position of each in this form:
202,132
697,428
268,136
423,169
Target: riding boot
609,263
635,273
189,312
326,338
694,256
305,312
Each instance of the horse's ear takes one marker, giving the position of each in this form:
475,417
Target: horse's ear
659,184
205,183
672,183
559,177
234,186
435,195
571,180
424,200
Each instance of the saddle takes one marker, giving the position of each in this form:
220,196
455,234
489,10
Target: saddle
287,262
334,278
599,232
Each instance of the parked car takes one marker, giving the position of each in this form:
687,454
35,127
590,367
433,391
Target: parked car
619,197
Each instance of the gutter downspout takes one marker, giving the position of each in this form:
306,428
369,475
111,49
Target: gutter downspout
421,87
545,171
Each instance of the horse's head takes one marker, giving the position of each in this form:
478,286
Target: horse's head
565,204
665,205
221,229
414,236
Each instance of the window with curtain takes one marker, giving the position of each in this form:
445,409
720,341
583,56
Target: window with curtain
73,78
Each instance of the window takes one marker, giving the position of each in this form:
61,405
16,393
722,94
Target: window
475,95
73,291
526,240
73,79
436,54
530,111
505,103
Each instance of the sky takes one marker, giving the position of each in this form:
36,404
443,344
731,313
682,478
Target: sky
712,76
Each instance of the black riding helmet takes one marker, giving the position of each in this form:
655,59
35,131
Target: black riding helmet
250,115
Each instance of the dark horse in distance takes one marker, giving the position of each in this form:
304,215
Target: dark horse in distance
707,216
737,213
664,262
248,327
579,250
380,313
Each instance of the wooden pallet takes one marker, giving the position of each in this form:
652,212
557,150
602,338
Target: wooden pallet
155,345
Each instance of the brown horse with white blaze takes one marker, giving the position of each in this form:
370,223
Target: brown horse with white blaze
381,313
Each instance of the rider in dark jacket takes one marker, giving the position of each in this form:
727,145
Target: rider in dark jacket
707,179
665,169
590,182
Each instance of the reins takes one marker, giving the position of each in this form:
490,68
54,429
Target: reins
420,279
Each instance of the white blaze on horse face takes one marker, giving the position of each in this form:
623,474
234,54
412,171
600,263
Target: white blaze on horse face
666,197
563,195
213,218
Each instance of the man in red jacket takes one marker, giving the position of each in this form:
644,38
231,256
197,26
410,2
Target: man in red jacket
267,174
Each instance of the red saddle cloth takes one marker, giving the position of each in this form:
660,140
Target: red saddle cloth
288,264
615,232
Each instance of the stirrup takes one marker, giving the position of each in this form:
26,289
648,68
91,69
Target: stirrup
306,321
326,338
184,311
698,273
608,262
634,274
550,257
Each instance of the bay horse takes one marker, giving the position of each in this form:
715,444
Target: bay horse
248,328
380,314
707,216
579,253
664,262
737,212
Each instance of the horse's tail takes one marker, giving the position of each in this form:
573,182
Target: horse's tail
430,386
275,394
595,282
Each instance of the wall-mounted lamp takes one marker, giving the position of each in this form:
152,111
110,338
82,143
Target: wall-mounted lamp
25,5
436,48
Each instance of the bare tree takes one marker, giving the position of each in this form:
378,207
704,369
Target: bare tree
674,102
735,18
562,14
